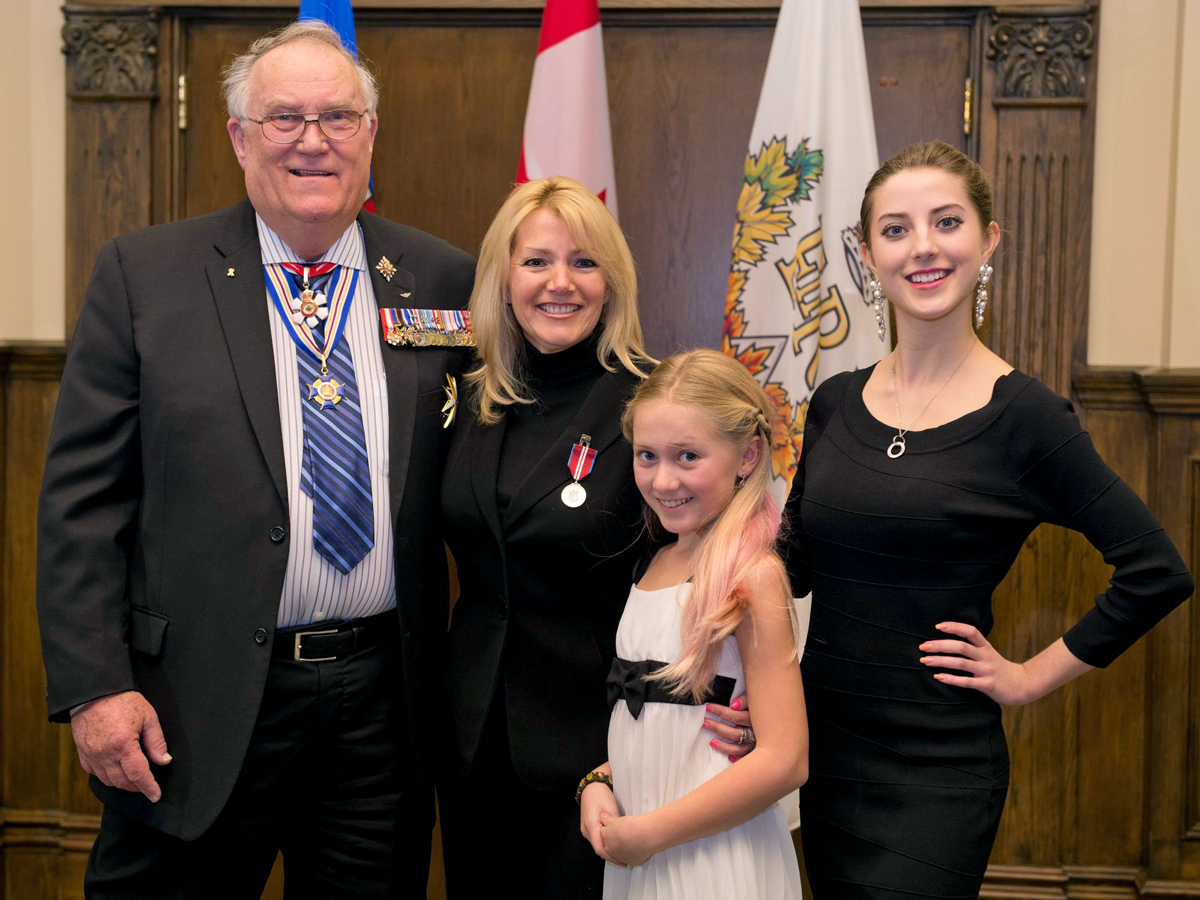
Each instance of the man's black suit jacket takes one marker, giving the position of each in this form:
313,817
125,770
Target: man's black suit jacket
543,588
161,541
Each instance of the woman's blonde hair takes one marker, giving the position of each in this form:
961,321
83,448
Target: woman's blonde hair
497,378
736,556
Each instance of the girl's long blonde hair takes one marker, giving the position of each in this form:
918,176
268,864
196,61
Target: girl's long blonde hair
497,378
736,556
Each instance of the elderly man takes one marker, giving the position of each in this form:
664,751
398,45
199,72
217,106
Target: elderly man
241,581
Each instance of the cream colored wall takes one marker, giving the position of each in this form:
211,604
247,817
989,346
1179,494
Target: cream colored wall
1143,311
1145,308
1184,344
32,226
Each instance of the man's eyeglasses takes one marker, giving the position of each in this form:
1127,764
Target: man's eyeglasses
287,128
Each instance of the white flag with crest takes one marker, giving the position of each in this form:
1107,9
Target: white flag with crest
796,310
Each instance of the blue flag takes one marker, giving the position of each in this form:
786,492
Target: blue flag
339,15
336,13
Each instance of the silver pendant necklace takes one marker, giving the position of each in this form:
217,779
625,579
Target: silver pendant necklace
896,448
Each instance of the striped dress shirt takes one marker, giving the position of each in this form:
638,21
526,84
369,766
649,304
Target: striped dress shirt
313,590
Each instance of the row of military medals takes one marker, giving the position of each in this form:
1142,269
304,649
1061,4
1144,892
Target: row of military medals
428,327
579,463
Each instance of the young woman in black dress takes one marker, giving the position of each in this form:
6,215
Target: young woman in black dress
920,479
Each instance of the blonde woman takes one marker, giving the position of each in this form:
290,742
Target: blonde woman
543,520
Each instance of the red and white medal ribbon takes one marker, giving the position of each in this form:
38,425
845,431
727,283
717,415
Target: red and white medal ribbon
579,463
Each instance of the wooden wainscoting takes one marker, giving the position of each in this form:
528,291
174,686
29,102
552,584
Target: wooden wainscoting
48,818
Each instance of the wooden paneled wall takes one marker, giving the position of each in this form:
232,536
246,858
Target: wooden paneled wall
1105,796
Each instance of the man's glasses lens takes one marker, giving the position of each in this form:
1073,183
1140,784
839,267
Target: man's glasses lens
335,124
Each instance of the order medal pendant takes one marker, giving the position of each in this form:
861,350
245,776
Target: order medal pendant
325,392
574,495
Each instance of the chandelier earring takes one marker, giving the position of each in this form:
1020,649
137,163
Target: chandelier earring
878,300
985,274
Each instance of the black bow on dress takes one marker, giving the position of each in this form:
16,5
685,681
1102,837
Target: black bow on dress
627,681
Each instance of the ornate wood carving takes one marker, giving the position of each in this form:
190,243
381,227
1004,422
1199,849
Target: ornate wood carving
1046,58
110,54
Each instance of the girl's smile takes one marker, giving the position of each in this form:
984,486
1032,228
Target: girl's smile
685,471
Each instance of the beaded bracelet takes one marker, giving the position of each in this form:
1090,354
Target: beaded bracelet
591,778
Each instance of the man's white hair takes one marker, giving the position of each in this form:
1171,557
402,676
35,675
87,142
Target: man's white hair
235,80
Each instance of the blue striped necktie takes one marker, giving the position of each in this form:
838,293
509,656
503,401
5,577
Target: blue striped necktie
334,470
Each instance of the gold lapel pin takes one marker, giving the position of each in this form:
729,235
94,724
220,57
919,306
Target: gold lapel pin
229,274
385,268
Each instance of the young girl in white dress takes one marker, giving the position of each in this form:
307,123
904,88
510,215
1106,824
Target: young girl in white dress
710,617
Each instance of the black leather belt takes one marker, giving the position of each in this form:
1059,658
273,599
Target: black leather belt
627,681
311,643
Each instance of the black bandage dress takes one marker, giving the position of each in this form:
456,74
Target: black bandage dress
908,776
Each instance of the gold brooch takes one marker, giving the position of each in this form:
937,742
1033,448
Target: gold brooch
451,405
229,274
385,268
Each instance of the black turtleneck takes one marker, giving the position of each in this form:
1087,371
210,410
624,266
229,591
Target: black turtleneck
559,383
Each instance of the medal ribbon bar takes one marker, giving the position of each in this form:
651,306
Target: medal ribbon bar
582,458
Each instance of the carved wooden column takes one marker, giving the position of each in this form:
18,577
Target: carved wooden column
111,85
1036,128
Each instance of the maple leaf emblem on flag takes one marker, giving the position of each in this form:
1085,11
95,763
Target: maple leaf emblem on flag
773,179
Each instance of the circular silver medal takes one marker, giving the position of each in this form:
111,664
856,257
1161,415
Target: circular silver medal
574,494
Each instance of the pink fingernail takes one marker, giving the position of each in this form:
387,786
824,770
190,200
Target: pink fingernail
713,744
707,708
737,704
704,724
733,759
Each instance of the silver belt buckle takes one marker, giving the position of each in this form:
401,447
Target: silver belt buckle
296,654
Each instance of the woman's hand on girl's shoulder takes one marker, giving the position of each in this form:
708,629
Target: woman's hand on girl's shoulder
626,839
596,800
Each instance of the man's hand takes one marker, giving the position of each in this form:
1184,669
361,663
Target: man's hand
109,735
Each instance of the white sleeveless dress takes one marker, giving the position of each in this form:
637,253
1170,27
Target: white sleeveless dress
663,755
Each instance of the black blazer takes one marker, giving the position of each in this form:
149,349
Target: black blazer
542,591
160,566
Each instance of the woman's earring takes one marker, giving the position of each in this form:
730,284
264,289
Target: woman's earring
737,485
985,273
878,299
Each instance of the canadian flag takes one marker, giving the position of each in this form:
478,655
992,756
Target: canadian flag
566,124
